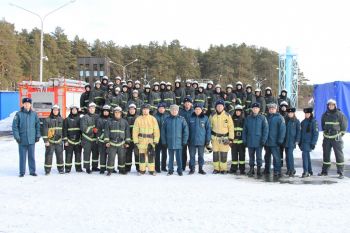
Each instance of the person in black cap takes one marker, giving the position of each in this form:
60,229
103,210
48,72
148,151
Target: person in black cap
26,131
186,111
291,140
255,133
308,139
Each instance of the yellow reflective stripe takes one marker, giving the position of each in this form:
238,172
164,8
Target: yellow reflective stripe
56,128
331,123
235,162
199,100
53,141
98,97
77,163
44,137
86,161
88,128
241,162
73,143
60,165
117,144
238,141
128,163
73,129
94,160
102,165
68,164
331,136
238,128
117,131
47,165
327,163
65,138
110,167
88,138
340,163
168,99
121,166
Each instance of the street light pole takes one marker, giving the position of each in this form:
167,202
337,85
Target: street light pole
42,19
124,66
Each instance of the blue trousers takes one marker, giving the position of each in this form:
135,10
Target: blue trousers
25,150
290,158
178,155
306,162
252,152
275,151
192,150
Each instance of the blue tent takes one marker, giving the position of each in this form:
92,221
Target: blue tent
339,91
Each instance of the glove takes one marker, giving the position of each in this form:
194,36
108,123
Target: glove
126,145
66,144
312,147
37,139
18,141
95,130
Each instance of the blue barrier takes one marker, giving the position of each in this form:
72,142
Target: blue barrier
9,103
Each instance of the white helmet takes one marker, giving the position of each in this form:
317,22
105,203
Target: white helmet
118,78
137,82
92,104
239,83
56,107
332,101
229,86
132,106
217,86
106,107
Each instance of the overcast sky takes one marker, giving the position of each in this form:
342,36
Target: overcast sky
318,31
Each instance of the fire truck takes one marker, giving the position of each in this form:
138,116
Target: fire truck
60,91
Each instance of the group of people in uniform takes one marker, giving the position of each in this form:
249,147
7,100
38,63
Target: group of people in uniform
139,125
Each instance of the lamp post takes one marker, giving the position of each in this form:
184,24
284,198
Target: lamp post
124,66
42,19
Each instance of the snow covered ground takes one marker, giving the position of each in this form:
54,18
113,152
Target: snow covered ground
212,203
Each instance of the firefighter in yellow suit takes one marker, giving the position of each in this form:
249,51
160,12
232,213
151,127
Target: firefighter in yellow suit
222,136
146,135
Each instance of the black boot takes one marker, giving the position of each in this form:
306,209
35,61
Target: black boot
88,171
109,173
201,171
258,171
340,175
78,169
323,173
191,172
233,170
251,172
170,173
216,172
102,171
33,174
305,174
242,172
68,170
266,171
95,169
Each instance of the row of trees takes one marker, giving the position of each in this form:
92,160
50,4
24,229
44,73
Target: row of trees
19,59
